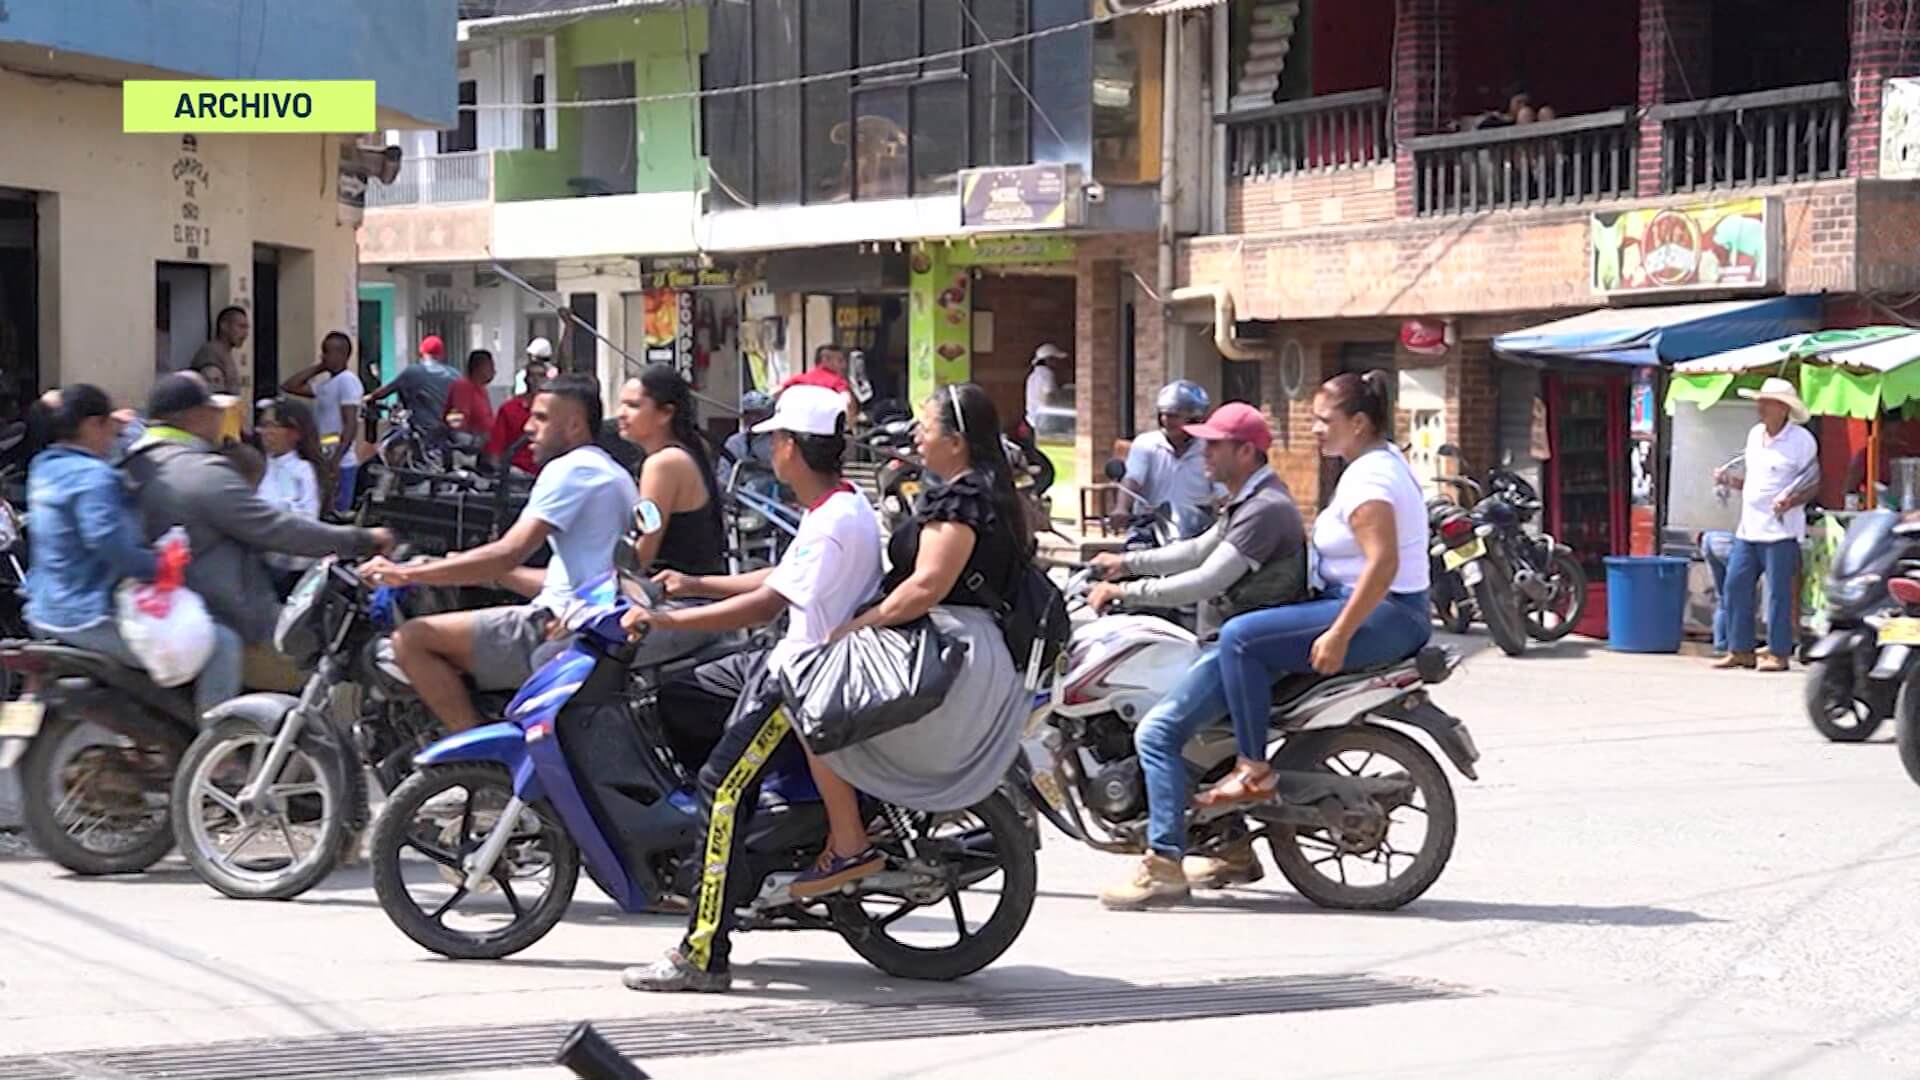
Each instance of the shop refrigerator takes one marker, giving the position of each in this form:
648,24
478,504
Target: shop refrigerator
1586,488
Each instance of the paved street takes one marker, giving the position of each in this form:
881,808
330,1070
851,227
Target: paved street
1663,872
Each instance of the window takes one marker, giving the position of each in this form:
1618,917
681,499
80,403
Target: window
776,112
998,108
466,134
536,136
827,139
726,124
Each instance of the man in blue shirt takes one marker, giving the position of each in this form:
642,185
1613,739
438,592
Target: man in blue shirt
424,386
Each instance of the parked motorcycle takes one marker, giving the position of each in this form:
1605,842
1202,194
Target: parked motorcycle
1549,581
1470,575
1855,671
583,772
13,577
1365,816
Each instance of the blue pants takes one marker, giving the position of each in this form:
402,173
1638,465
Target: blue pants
1716,547
1779,560
343,499
1198,700
1260,646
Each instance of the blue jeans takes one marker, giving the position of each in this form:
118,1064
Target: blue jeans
1198,700
1260,646
1779,560
343,499
1716,547
217,684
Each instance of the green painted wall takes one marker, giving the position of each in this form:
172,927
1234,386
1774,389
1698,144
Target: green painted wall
658,45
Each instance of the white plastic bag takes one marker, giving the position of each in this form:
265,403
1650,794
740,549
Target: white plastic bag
165,623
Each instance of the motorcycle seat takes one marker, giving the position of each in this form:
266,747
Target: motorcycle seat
69,660
1291,688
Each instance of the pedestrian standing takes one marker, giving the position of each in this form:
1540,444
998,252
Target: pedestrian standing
1781,477
1042,382
336,413
230,329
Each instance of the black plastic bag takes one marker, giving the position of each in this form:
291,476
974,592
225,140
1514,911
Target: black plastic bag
868,683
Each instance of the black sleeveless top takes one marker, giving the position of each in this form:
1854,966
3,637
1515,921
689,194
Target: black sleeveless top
965,499
694,541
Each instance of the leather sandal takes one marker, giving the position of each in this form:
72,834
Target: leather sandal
1237,788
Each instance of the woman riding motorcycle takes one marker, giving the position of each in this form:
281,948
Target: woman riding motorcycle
1371,543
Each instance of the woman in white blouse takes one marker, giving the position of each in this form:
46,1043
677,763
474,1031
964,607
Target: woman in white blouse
291,440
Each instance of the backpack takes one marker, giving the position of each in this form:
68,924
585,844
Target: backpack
1033,619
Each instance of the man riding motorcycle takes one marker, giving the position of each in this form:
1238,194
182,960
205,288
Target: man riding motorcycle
1253,557
182,481
1168,467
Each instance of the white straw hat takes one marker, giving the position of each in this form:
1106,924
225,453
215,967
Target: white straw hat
1782,391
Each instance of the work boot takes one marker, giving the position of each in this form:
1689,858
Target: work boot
1158,882
1770,662
1234,865
674,974
1734,660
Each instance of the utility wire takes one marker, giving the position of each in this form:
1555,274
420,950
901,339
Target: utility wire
993,50
808,80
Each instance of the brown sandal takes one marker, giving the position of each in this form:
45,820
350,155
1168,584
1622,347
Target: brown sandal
1239,787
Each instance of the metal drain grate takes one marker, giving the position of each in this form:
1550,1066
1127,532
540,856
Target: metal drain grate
450,1050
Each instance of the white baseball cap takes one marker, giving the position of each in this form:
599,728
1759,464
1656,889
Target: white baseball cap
1049,351
540,348
806,410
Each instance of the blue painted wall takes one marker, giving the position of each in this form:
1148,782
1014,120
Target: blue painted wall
407,46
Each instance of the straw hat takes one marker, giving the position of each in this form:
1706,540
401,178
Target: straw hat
1782,391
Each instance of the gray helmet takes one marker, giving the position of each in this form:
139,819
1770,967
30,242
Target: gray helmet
1182,398
755,401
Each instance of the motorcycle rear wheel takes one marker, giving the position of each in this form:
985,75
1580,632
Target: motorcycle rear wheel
312,779
1353,749
1004,840
1566,602
1906,727
1499,608
49,804
1831,704
395,830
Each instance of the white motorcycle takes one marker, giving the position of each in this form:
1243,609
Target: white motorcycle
1364,818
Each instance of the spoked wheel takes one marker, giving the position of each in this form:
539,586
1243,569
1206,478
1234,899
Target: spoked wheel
282,843
96,798
1555,617
974,883
422,840
1831,705
1378,868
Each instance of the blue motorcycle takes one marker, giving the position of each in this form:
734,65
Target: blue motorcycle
477,855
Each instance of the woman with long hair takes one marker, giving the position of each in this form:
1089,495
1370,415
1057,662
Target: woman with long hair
290,439
657,414
966,547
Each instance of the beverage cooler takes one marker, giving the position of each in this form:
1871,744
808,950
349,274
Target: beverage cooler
1585,484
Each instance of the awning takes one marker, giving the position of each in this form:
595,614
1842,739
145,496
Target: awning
1859,372
1172,7
1651,335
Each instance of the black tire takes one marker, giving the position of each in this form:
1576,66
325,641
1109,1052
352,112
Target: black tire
1567,578
1906,727
392,831
1499,608
1013,845
140,848
271,882
1455,616
1309,752
1831,704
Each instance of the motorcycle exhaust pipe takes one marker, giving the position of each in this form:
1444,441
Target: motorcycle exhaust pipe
588,1055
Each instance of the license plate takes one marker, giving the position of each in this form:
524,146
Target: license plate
21,719
1900,631
1455,558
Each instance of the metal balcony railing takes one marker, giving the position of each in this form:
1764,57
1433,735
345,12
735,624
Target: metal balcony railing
1335,131
1787,136
432,181
1579,159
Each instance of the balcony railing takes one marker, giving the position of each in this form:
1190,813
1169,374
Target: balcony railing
432,181
1580,159
1785,136
1336,131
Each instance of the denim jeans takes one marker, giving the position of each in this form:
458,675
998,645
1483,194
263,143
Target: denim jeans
343,498
1198,700
218,683
1779,560
1716,547
1260,646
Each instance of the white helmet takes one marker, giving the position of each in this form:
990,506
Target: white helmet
540,348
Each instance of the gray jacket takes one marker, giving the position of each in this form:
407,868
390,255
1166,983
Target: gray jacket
230,528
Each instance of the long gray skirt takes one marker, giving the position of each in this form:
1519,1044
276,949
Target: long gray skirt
957,754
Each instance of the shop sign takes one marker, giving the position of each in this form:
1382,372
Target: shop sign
1027,197
669,328
1706,247
662,274
1013,251
190,235
1424,337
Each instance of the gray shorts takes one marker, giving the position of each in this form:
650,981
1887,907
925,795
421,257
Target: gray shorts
505,641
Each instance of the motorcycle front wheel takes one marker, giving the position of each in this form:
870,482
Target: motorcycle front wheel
1555,617
422,839
1831,705
1500,609
287,844
96,798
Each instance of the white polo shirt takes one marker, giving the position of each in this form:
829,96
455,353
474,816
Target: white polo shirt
1773,464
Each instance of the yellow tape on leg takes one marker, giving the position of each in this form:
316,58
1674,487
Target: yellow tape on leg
710,905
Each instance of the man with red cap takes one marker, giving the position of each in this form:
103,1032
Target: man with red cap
423,387
1254,556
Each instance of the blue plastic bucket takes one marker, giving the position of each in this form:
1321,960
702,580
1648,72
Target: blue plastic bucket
1646,603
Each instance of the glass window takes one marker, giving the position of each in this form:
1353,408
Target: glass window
941,30
999,109
776,120
828,41
880,147
466,134
939,144
889,30
1062,70
1126,100
726,119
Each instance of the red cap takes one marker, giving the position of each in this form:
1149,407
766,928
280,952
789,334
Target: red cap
431,345
1238,421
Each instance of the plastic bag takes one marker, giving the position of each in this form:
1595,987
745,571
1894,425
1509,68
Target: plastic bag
166,624
868,683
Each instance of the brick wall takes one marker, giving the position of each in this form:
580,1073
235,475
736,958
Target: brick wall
1311,200
1676,64
1424,61
1502,262
1028,311
1886,43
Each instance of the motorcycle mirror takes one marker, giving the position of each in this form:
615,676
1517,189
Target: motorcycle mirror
1116,470
1448,450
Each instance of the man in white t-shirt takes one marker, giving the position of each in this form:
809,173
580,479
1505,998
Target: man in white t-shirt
1782,474
1041,382
580,507
336,405
830,570
1168,467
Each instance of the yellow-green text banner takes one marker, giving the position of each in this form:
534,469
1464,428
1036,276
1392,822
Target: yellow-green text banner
338,106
